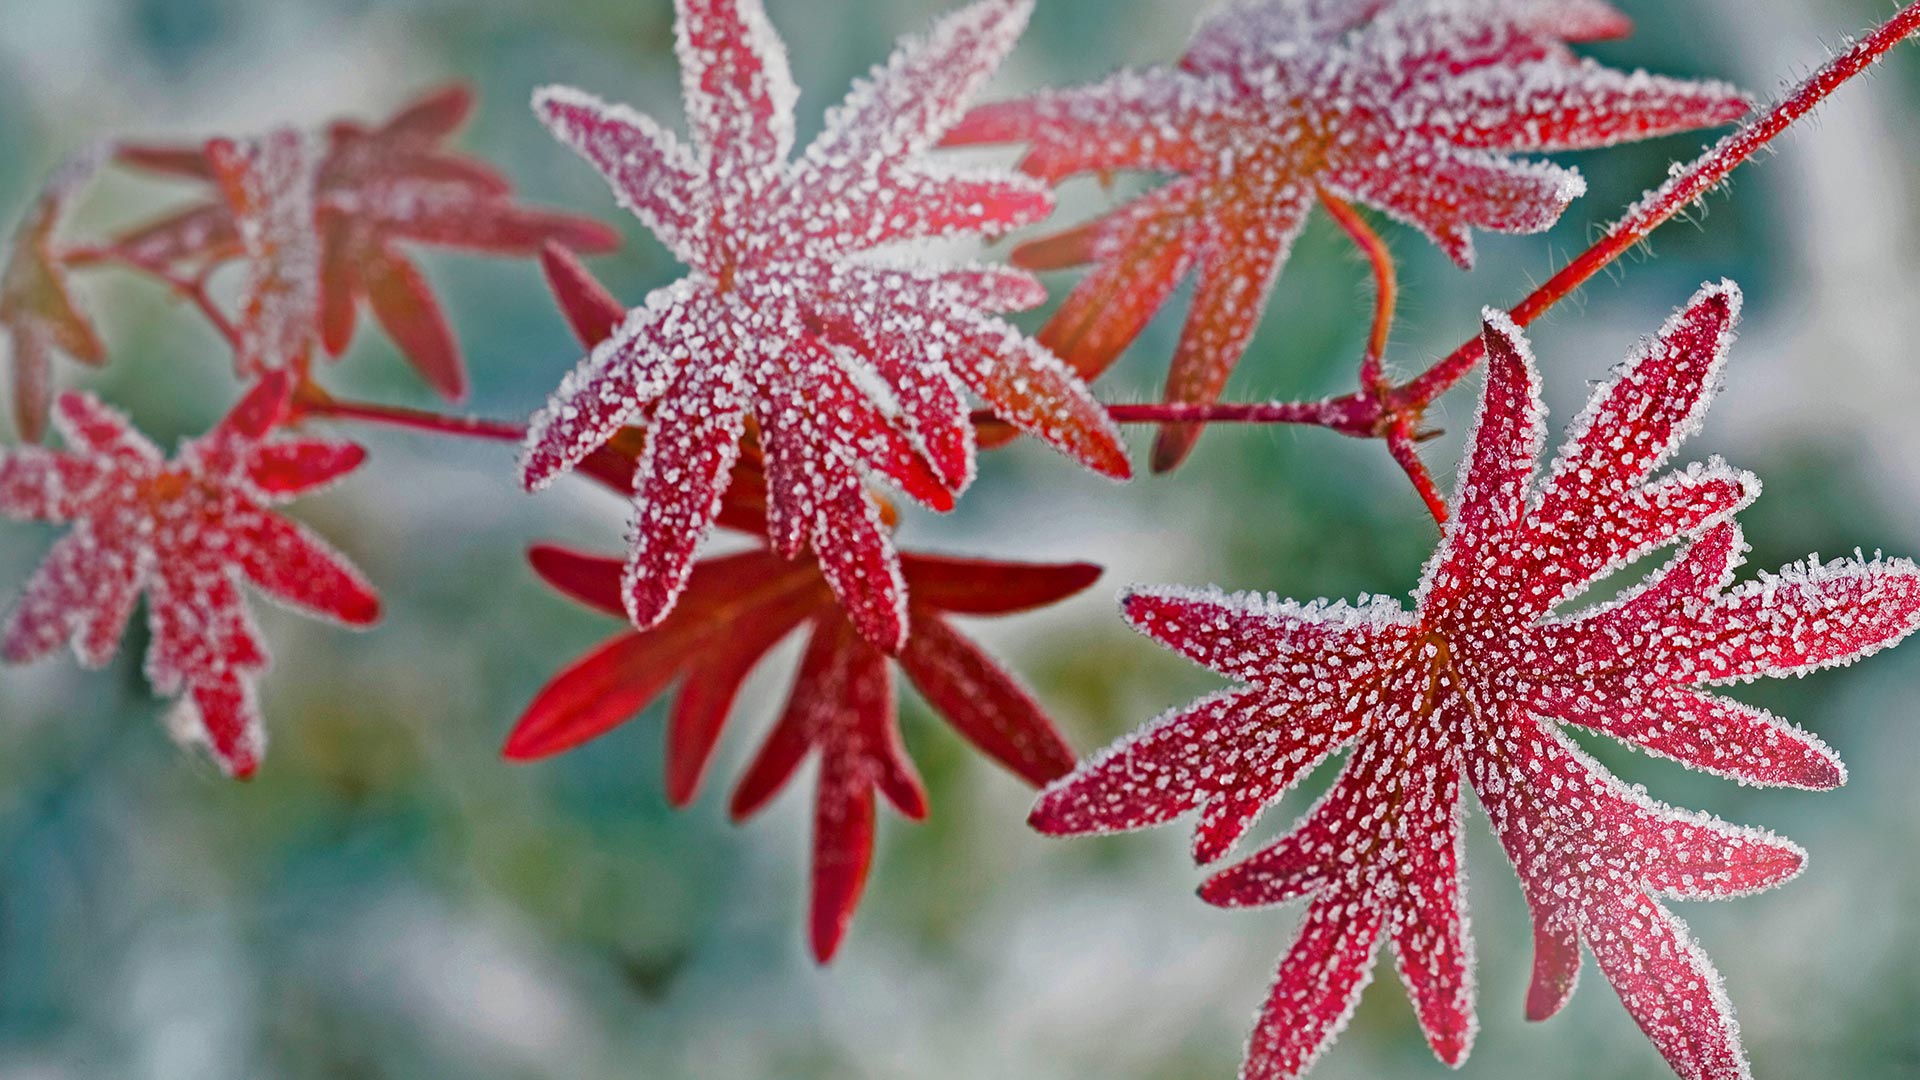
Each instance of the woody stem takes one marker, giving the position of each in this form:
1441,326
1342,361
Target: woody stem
1340,414
310,402
1402,443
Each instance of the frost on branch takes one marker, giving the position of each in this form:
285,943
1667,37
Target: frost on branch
841,708
38,315
1413,108
375,191
1477,682
187,533
849,364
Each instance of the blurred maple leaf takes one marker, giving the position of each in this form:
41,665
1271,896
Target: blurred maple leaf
374,189
38,314
1410,108
845,363
186,532
1478,681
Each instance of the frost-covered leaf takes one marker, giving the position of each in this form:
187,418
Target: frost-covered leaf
187,533
375,190
849,365
1476,683
1413,108
38,315
734,610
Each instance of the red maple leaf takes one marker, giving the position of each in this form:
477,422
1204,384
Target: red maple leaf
37,311
1478,681
1412,109
186,532
376,189
846,363
841,708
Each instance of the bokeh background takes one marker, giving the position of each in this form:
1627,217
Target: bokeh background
389,899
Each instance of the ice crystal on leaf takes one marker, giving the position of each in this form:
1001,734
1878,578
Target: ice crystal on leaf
594,314
1477,682
841,708
377,189
37,310
1238,29
1413,108
848,364
187,533
269,185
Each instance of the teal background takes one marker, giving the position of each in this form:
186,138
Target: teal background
390,900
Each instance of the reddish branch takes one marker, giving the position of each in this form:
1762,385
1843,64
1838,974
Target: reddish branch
312,402
192,289
1373,376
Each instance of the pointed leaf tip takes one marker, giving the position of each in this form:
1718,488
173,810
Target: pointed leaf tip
264,407
591,580
590,309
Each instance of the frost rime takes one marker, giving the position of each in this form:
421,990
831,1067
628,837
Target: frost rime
269,185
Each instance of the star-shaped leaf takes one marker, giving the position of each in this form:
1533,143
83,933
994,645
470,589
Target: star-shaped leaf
1411,108
847,364
187,533
841,708
38,314
377,190
1478,682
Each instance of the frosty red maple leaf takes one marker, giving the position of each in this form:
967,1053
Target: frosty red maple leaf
38,314
1477,682
1412,109
374,190
185,532
841,708
847,363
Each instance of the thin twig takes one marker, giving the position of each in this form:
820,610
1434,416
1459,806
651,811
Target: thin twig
311,401
1373,374
193,289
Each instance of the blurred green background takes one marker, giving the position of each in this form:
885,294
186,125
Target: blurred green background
389,899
